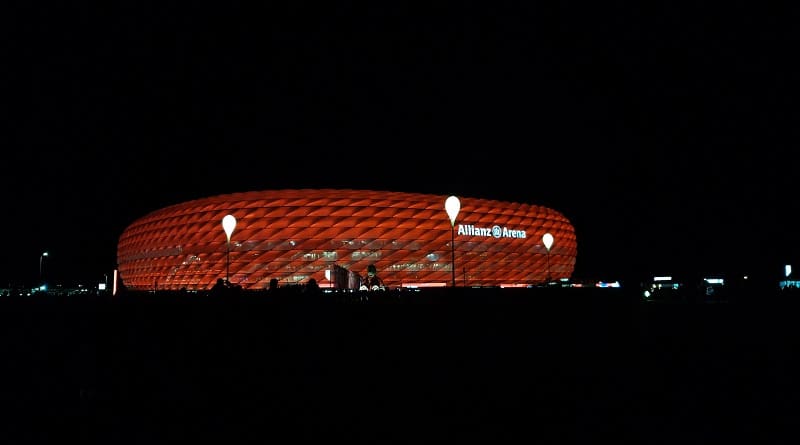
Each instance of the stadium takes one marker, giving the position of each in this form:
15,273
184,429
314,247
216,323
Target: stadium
332,235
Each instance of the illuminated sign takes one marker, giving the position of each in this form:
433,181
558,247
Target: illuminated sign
495,231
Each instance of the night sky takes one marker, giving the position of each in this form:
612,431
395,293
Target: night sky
665,135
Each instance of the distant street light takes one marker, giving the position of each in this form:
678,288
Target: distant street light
41,258
547,239
452,205
228,224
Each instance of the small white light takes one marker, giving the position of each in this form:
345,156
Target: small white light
547,239
228,224
452,205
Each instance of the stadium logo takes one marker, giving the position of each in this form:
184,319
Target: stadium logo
496,231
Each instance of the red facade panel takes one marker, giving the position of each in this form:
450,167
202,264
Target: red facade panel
295,235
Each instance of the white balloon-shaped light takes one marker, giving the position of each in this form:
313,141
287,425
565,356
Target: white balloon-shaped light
452,205
547,239
228,224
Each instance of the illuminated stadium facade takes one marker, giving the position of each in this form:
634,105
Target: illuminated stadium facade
295,235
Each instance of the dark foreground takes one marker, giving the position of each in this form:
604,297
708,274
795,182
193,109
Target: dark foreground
490,366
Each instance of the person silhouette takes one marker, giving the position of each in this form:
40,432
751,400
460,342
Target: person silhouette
373,281
220,287
312,287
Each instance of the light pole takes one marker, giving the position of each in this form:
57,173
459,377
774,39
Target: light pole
41,258
228,224
452,205
547,240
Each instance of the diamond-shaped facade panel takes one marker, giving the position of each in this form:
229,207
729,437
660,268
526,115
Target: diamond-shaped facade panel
295,235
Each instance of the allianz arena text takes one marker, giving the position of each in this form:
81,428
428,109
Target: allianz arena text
298,234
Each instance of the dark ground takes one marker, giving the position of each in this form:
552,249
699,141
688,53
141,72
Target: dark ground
534,365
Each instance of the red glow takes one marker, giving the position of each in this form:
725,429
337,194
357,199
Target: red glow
294,235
